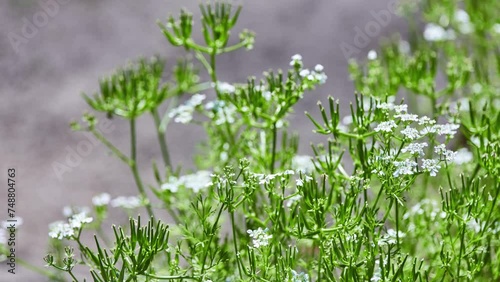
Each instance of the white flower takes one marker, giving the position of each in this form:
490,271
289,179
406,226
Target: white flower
197,181
60,230
385,106
196,100
184,113
475,225
69,211
415,148
304,72
303,163
434,32
320,77
449,129
299,182
431,166
224,114
424,120
447,154
399,109
225,87
407,117
440,149
372,55
299,277
131,202
463,19
296,60
406,167
463,156
267,95
266,179
386,126
428,129
77,220
101,200
319,68
410,133
260,237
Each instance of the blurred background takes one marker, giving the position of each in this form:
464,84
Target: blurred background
53,50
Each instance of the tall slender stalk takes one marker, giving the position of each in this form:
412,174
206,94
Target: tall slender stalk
273,156
133,166
161,139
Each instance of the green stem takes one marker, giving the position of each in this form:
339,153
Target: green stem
397,224
169,277
273,156
110,146
205,253
236,244
133,166
161,139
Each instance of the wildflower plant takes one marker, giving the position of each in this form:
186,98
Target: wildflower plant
397,192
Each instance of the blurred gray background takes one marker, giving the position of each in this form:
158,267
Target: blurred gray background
42,78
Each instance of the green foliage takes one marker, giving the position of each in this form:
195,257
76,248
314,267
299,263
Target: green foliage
389,196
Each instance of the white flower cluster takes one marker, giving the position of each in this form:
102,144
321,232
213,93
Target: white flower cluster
196,181
60,229
410,134
101,200
390,238
268,178
463,20
314,76
224,87
260,237
131,202
68,211
299,277
184,113
220,112
434,32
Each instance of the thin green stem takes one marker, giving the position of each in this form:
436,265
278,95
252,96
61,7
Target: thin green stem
161,139
397,224
110,146
273,155
133,166
233,226
234,47
174,277
205,253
